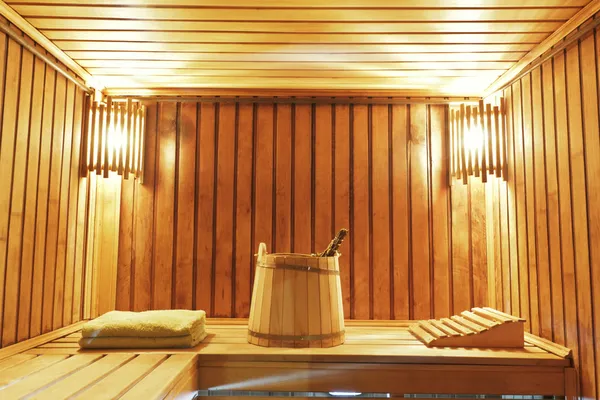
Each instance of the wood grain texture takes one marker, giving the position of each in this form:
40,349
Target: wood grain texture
39,157
554,115
290,175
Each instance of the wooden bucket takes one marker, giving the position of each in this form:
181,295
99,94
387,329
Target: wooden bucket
296,301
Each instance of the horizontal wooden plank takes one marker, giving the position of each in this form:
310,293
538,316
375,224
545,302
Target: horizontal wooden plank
198,38
467,86
321,4
11,361
284,14
185,67
296,27
149,59
147,51
291,73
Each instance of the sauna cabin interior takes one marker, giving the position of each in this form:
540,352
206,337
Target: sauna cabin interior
148,147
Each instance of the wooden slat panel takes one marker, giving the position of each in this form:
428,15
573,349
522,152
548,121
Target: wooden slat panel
17,192
341,188
120,381
161,380
380,192
85,377
360,207
478,246
186,176
225,203
419,204
283,177
7,145
323,190
401,213
205,224
24,369
243,218
47,376
302,176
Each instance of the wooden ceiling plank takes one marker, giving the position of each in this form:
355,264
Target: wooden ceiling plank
289,38
102,58
321,4
297,27
254,14
292,73
183,51
586,13
97,66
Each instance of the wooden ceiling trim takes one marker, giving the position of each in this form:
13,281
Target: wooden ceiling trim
284,14
292,73
321,4
570,26
182,51
69,24
292,38
95,66
116,59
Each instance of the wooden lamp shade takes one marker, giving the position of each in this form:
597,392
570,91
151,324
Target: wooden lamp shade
115,138
296,301
478,141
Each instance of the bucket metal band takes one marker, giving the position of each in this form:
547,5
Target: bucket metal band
324,336
304,268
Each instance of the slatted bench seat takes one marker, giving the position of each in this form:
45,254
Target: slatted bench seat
378,357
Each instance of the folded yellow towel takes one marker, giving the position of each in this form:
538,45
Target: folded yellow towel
130,342
147,324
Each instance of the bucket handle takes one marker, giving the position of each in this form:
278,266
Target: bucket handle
262,252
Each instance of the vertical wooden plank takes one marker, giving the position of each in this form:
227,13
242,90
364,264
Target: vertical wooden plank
89,277
540,190
125,257
54,204
492,206
439,157
323,178
283,168
508,191
263,179
341,179
503,242
478,242
7,155
361,215
186,192
165,206
143,228
577,147
42,204
461,274
302,159
419,192
565,203
224,218
589,65
553,205
78,126
400,209
243,219
31,196
530,202
380,194
205,222
61,248
75,111
17,202
522,289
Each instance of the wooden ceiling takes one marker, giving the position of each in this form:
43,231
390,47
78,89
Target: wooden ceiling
418,47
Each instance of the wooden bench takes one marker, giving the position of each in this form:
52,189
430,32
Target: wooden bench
378,357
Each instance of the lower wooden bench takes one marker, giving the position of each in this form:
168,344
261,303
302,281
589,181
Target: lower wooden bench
378,358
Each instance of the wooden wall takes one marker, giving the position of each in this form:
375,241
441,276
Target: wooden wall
222,177
42,200
546,247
